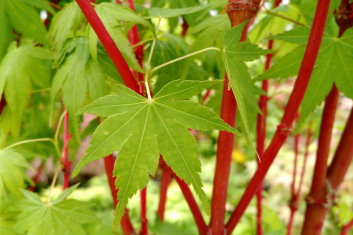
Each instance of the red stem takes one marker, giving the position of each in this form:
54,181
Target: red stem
294,202
184,27
284,129
128,79
66,168
295,163
143,217
314,212
292,188
223,162
165,181
2,103
134,38
226,140
194,208
108,44
261,136
125,222
35,178
346,228
200,222
335,175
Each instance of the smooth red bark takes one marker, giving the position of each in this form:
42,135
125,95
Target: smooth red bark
108,44
165,181
261,136
238,13
318,186
346,228
335,175
143,216
223,162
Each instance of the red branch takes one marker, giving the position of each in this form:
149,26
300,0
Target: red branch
200,222
108,44
295,195
2,103
237,14
35,178
318,186
345,229
223,161
66,168
134,39
128,79
343,156
143,217
125,222
284,129
261,131
335,175
184,27
165,181
261,136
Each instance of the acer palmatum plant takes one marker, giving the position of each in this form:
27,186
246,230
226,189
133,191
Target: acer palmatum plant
160,79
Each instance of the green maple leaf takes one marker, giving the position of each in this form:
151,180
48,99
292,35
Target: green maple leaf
21,67
80,77
24,18
270,24
333,66
117,19
12,174
60,217
286,66
168,12
234,55
142,129
64,23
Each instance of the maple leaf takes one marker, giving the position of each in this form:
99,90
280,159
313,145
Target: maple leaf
22,16
234,55
60,217
80,77
12,174
21,67
333,66
142,129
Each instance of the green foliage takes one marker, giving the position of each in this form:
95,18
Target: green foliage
23,17
167,12
22,68
65,24
331,66
79,77
234,55
142,129
61,216
118,19
12,175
